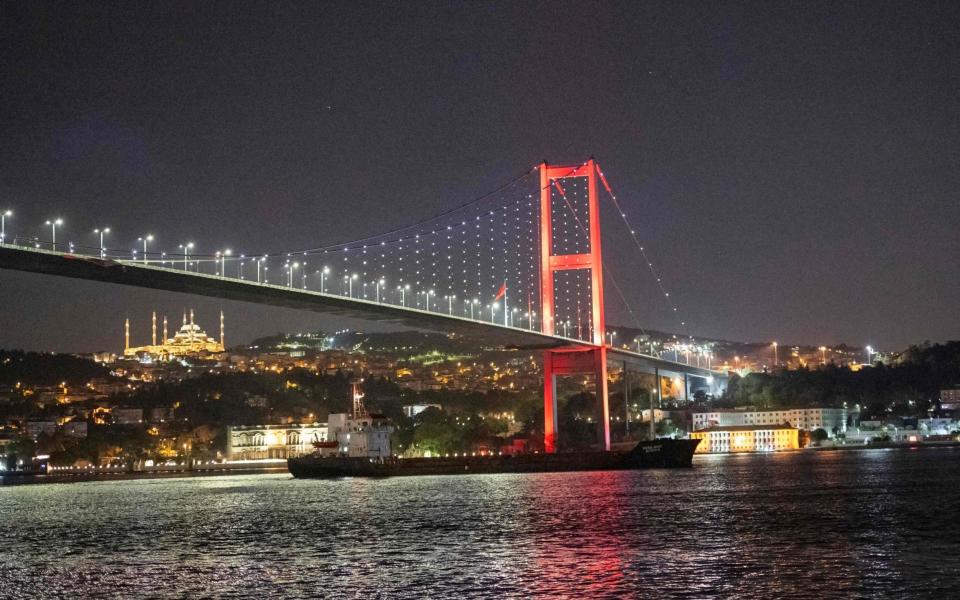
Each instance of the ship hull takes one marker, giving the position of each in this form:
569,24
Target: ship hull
663,454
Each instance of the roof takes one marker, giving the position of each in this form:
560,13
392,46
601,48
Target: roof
746,428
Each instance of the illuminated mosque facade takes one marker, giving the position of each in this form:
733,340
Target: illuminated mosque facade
190,340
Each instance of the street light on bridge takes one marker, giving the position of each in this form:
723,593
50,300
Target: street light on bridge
53,228
102,231
221,261
145,239
323,272
3,224
380,282
349,279
290,273
186,253
403,294
259,261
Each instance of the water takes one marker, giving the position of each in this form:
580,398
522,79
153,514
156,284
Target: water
871,524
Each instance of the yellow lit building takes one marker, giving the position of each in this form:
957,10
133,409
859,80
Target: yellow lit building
190,340
258,442
747,438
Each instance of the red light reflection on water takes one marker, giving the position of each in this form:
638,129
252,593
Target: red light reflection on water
591,562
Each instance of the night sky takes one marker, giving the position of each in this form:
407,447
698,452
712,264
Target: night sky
793,168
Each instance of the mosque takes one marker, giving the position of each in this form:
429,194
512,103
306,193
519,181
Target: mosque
190,340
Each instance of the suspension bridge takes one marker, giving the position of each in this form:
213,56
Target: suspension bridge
519,267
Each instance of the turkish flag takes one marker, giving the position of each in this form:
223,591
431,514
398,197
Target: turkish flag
501,293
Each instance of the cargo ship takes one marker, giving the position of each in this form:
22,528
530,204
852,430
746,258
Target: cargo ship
664,453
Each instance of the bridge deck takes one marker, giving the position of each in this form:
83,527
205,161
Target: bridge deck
125,272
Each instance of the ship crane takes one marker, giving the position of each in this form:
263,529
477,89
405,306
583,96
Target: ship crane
359,410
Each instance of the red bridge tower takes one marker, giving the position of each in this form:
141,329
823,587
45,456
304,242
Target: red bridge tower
587,357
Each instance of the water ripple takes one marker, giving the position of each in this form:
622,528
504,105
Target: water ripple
871,524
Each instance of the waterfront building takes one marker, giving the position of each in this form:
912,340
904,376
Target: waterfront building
189,340
253,442
808,419
937,426
746,438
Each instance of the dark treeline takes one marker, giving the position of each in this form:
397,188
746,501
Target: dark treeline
41,368
910,386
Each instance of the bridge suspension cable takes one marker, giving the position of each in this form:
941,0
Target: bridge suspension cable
572,212
658,279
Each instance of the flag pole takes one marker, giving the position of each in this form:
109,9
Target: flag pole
506,316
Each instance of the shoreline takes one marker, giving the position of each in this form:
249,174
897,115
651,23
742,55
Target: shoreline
885,446
41,478
51,478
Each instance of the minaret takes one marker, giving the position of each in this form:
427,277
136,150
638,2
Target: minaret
164,329
184,316
153,329
221,330
126,334
191,324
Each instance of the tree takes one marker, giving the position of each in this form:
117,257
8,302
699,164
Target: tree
435,433
819,434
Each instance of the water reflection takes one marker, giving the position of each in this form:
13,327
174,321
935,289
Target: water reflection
802,525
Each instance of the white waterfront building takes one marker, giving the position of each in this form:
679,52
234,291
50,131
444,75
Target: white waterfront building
254,442
808,419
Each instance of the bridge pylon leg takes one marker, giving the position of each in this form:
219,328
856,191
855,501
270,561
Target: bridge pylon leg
573,361
603,398
549,404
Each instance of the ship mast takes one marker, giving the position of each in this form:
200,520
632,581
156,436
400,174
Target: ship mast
358,409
